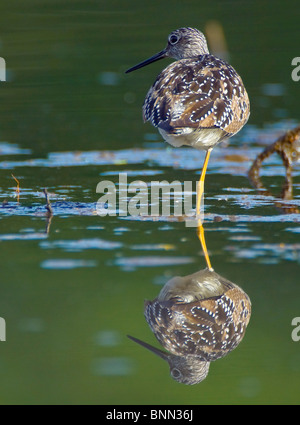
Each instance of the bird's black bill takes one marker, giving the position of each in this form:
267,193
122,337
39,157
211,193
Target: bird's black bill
149,347
154,58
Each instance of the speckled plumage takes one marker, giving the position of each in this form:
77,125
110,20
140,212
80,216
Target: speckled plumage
194,95
202,315
197,100
198,318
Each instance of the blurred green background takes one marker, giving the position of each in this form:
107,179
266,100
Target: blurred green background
70,297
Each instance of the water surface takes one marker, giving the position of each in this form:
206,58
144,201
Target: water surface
73,286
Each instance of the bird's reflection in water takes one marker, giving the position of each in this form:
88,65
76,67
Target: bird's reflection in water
197,318
288,148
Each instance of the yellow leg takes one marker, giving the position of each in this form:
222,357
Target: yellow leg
200,187
200,194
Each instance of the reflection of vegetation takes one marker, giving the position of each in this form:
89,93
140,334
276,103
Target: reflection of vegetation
288,148
198,318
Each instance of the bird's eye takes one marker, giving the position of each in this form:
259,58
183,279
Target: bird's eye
176,374
173,39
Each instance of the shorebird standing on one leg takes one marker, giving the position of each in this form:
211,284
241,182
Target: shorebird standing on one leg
199,100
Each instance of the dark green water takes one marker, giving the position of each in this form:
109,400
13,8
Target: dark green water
69,118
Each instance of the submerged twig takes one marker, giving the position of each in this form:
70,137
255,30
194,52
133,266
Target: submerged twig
287,147
49,211
18,187
48,203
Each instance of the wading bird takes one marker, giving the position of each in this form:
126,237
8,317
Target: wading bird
199,100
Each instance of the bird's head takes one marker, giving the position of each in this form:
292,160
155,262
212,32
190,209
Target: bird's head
183,43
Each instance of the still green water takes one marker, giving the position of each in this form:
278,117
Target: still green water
70,118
